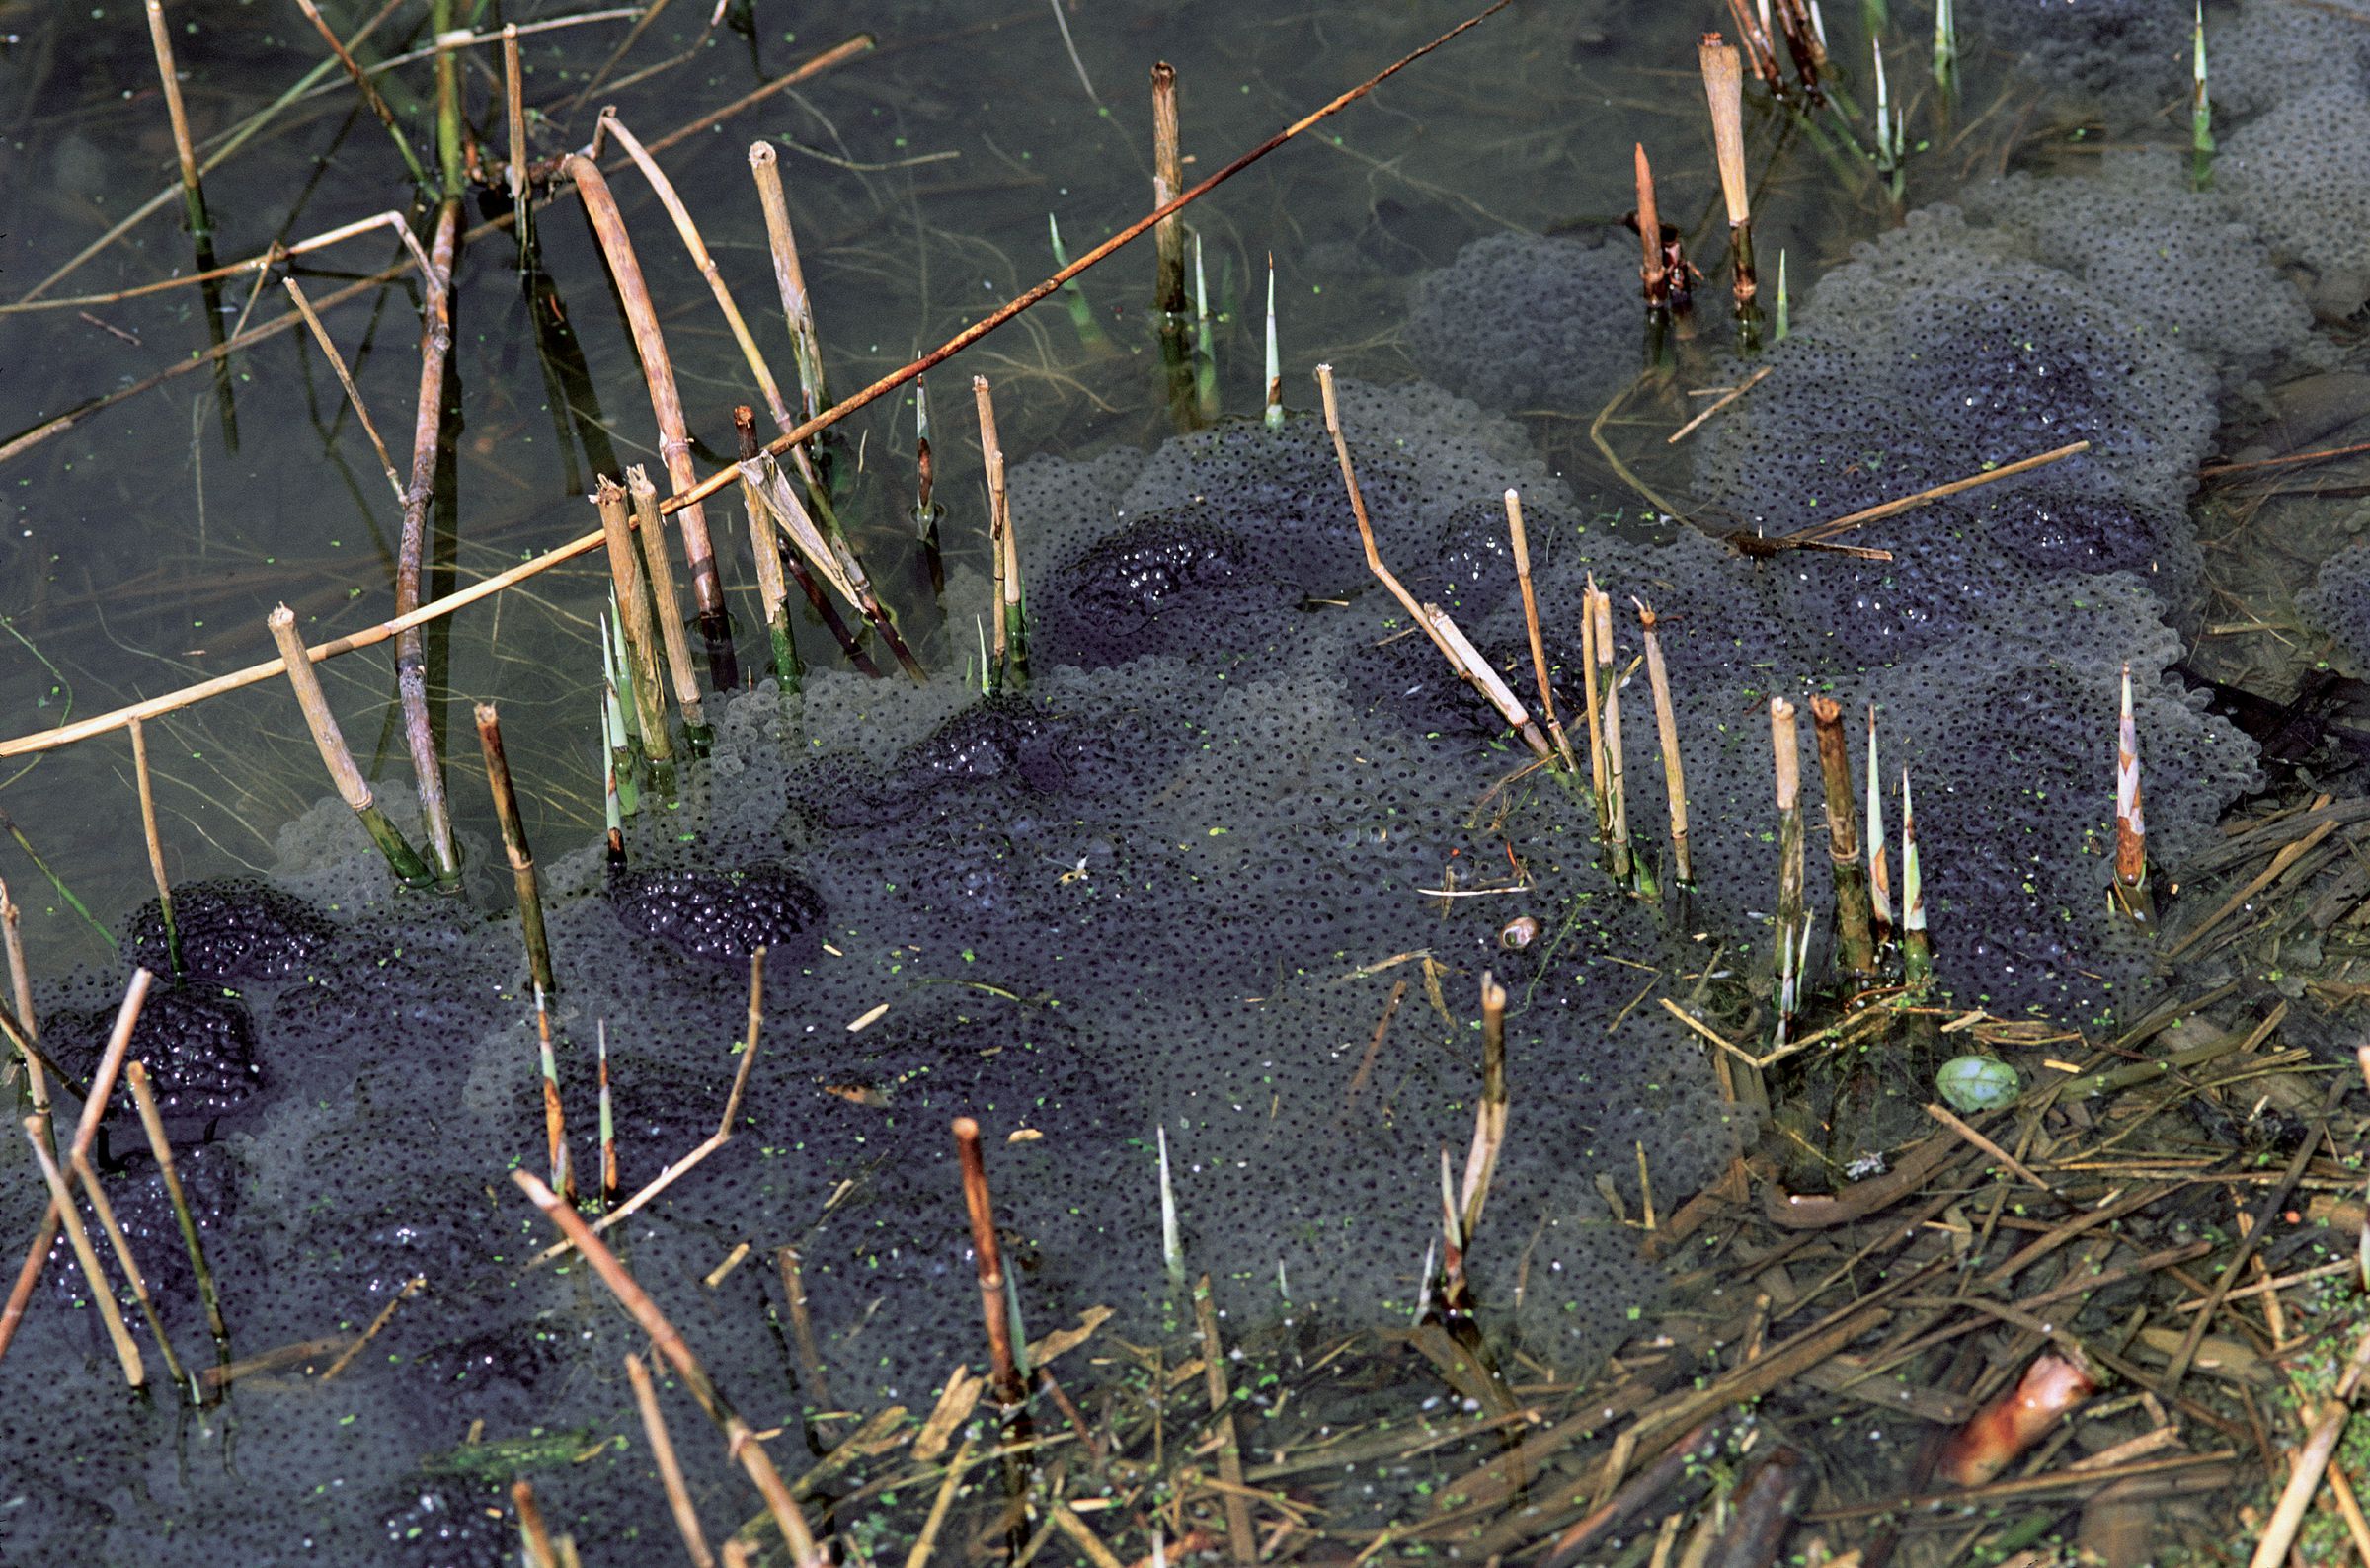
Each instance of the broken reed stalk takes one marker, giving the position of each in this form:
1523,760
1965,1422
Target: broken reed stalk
1236,1500
1169,178
1596,708
2132,894
827,556
1608,679
402,859
1917,957
156,848
667,405
428,427
193,191
1793,912
20,982
534,1534
1724,91
369,91
802,1327
798,306
671,1469
1538,647
1004,1375
353,394
651,527
1755,33
608,1120
1650,272
152,1123
1009,643
103,1290
740,1439
1855,919
1490,1117
121,1246
633,616
1666,729
1820,533
514,103
774,590
514,848
1880,882
1435,623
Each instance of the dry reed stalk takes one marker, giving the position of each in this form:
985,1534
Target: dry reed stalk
1917,957
1616,792
152,1123
1724,91
532,1532
672,638
1880,881
824,556
802,1327
1855,919
351,787
1820,533
633,616
1169,178
156,848
2132,894
514,848
1435,623
1794,911
1538,647
1803,45
740,1439
1490,1117
667,405
353,394
1236,1502
513,104
1596,711
1011,638
272,254
2312,1462
411,657
765,552
1666,728
1758,44
608,1120
193,192
790,278
671,1469
1651,272
121,1245
369,91
20,982
926,510
989,1253
103,1290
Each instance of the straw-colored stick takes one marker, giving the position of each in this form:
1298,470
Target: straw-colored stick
740,1439
156,846
1596,707
103,1290
1725,92
671,1469
20,985
152,1123
1538,647
633,612
650,525
350,786
369,91
658,375
1489,1116
531,1530
273,255
514,847
1651,272
121,1244
1880,881
1000,514
514,103
411,652
790,278
1666,727
1616,792
1169,178
826,556
353,394
987,1252
193,192
1794,911
1855,921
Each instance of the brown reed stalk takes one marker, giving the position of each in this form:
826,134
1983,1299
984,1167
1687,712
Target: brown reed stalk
1237,1497
272,256
1880,881
1855,919
156,846
667,405
1596,708
514,848
103,1290
1821,532
1802,44
786,1262
651,527
774,592
1169,178
826,556
193,191
608,1120
160,1147
19,982
2132,894
1651,272
514,103
1917,955
989,1253
740,1439
1666,727
633,615
790,278
369,91
1758,44
410,655
1435,623
671,1469
1616,792
1793,910
1725,92
1538,647
1009,647
1490,1117
531,1530
353,394
121,1246
351,787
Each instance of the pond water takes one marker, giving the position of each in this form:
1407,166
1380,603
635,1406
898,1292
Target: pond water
1228,876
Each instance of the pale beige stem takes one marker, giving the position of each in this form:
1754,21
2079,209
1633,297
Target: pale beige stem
103,1290
650,523
633,610
671,1469
790,278
353,394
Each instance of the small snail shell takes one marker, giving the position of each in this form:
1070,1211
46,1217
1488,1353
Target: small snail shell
1518,933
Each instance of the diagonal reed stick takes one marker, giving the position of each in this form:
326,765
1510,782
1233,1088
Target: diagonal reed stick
152,1123
671,636
351,787
989,1253
671,1469
102,1289
121,1244
410,655
156,850
1538,647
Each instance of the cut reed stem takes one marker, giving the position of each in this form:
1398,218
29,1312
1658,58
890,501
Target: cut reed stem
671,1469
1855,921
156,848
790,278
1009,643
608,1120
1596,708
1651,272
121,1245
353,394
160,1147
1490,1117
1917,957
1880,881
1538,647
1666,728
193,191
1793,912
1169,179
103,1290
650,526
826,556
2132,894
1237,1497
989,1252
1275,357
633,616
306,681
514,848
1725,92
522,188
802,1327
1616,792
762,538
428,430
